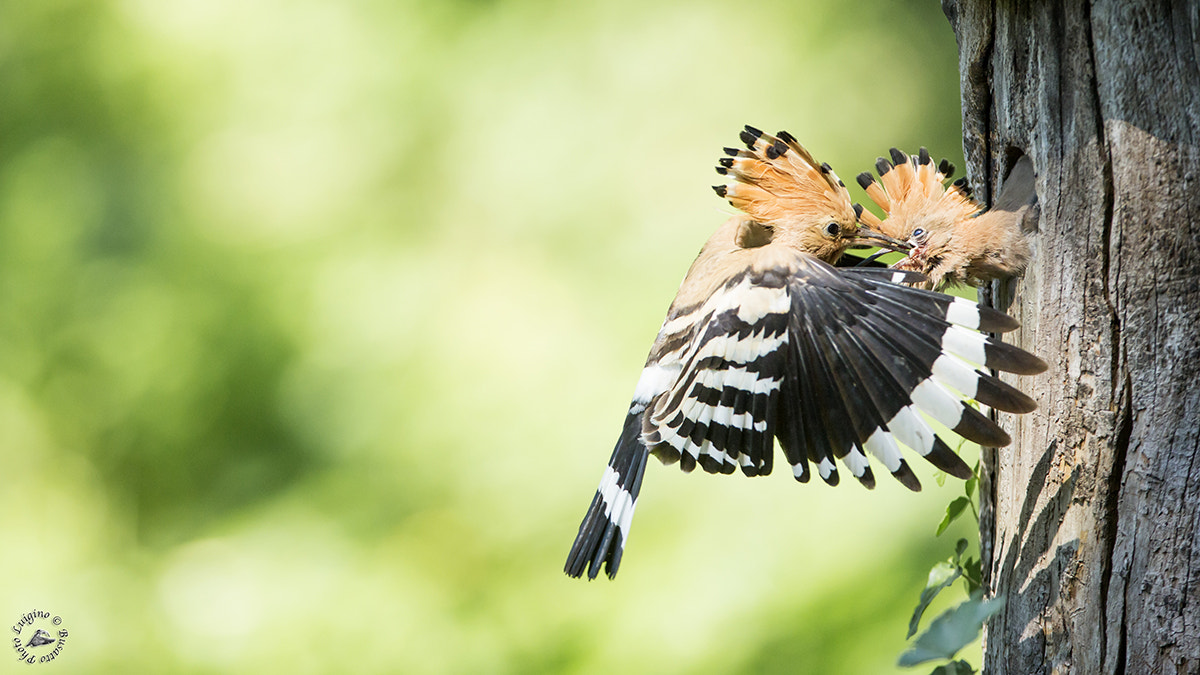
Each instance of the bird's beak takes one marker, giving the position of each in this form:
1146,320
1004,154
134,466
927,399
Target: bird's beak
868,237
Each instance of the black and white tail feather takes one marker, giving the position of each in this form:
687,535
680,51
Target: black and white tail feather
602,534
837,364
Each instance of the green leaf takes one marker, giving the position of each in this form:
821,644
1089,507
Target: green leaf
959,549
939,477
953,511
959,667
973,575
970,486
940,577
954,629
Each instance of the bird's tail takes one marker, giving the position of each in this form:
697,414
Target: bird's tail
602,534
1018,190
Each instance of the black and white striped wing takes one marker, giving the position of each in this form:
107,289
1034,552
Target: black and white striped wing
708,355
728,364
840,365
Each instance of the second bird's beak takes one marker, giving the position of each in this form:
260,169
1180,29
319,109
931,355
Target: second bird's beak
868,237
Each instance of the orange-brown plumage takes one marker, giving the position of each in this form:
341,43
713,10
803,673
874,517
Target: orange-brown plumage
954,240
791,200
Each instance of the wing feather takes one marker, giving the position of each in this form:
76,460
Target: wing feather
838,364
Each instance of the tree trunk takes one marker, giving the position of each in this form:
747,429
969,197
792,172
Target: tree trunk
1091,518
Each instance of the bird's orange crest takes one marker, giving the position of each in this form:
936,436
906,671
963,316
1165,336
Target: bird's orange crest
775,177
911,190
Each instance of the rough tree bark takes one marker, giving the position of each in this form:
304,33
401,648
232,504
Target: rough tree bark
1091,521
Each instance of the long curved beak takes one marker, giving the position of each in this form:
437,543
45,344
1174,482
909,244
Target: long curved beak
868,237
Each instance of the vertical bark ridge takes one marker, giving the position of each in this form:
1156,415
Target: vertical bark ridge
1109,260
1112,601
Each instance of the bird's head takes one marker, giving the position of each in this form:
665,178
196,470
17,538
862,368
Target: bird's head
921,210
792,199
933,252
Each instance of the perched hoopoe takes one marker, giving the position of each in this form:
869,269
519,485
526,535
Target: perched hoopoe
954,241
766,339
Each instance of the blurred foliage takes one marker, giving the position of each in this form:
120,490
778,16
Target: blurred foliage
317,321
950,632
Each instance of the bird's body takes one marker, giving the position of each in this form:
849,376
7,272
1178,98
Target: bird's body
954,240
766,339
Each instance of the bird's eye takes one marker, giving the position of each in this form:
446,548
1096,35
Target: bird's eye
832,229
918,234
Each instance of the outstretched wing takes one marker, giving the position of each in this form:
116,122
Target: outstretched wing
839,364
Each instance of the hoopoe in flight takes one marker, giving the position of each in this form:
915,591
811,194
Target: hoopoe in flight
767,339
954,240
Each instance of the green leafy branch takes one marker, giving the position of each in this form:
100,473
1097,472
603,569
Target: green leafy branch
960,625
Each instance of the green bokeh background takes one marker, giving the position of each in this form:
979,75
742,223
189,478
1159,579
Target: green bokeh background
318,322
